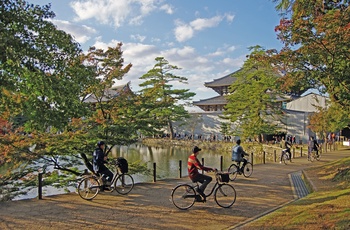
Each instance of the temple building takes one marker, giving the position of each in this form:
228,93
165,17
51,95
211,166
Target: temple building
216,104
108,94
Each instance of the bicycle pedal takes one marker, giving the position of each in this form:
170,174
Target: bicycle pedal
200,199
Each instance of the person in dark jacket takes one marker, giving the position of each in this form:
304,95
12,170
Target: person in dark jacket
98,161
238,154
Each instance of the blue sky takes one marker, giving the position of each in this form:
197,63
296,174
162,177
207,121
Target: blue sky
207,39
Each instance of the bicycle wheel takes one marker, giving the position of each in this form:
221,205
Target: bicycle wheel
248,169
183,196
124,184
88,188
225,195
285,158
233,171
318,157
312,157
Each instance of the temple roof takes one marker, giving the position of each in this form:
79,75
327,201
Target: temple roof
109,93
223,81
218,100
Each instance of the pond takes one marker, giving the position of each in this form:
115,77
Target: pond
166,159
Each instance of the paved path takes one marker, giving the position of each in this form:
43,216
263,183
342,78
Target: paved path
148,205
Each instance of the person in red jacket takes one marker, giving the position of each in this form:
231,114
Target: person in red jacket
193,165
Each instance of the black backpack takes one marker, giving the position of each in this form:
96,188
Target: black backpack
122,164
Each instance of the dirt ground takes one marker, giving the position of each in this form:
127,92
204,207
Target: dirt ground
148,206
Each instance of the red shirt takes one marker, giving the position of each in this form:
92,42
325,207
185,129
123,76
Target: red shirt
193,165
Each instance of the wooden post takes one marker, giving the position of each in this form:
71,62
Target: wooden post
154,172
85,181
274,155
251,158
203,165
40,186
180,168
293,153
221,162
264,155
301,151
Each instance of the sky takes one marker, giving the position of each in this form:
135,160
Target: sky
207,39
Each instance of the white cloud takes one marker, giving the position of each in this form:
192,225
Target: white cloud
197,68
117,12
202,23
185,31
167,8
137,37
229,17
103,11
235,62
221,51
80,33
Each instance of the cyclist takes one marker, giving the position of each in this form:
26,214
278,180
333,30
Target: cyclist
286,145
313,146
98,161
238,155
193,165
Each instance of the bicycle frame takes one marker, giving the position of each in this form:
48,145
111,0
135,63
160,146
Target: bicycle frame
196,185
90,185
183,196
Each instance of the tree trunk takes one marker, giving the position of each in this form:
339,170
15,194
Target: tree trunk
171,129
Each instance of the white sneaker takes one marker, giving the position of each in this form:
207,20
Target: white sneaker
280,162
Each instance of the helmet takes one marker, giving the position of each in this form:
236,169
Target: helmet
196,149
100,143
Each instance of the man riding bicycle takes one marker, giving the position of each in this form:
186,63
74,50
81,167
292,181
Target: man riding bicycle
238,154
193,165
98,161
286,146
312,146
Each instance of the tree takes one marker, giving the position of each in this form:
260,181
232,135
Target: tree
331,119
252,102
45,79
164,100
40,78
316,35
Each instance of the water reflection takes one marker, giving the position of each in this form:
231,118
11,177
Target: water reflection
167,159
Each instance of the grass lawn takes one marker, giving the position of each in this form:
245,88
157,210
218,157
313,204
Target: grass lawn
326,208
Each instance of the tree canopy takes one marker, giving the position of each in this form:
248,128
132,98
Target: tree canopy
316,38
41,80
45,120
252,102
165,101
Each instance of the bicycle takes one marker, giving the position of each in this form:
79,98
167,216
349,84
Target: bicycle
237,168
92,184
284,157
183,196
313,156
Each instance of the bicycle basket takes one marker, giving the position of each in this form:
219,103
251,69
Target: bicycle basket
122,163
223,177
